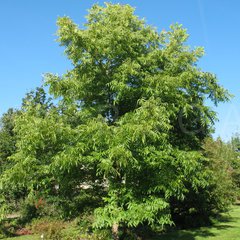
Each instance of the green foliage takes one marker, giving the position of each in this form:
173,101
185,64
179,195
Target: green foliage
7,138
13,124
235,163
50,229
221,161
128,128
200,206
7,229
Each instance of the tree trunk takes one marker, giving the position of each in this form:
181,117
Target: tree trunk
115,231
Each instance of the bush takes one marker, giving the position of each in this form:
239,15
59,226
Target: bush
32,208
50,229
28,211
7,229
53,229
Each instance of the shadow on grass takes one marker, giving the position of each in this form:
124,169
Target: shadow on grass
185,235
191,234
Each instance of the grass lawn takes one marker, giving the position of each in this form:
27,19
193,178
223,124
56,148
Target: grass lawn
24,238
227,229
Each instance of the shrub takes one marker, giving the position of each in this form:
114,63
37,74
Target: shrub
49,228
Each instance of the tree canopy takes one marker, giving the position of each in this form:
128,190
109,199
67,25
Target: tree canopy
129,124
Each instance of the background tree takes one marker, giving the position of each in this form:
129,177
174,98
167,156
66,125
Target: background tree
7,138
221,191
235,145
35,103
7,148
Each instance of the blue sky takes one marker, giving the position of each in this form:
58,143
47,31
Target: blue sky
28,48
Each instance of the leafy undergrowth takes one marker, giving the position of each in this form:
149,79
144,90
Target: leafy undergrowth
53,229
227,228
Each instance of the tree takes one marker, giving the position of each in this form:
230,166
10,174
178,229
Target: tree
131,120
7,138
198,206
235,163
222,159
7,147
36,100
34,104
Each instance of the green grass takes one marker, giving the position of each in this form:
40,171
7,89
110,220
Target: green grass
24,238
227,229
